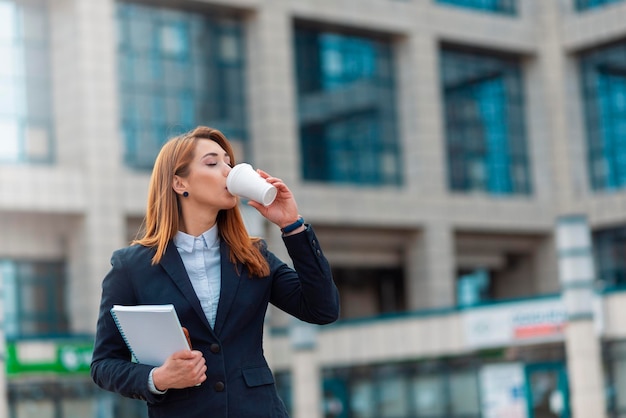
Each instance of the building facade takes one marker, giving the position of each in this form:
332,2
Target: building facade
440,148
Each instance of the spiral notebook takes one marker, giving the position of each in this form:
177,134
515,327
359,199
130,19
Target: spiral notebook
151,332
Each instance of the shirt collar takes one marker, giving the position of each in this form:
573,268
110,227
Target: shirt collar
185,242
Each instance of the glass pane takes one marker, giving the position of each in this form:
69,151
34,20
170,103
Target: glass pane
428,395
8,23
25,87
591,4
393,397
77,408
619,372
38,301
544,384
604,91
609,246
174,39
35,409
8,276
174,78
361,400
464,393
10,141
485,138
12,60
500,6
346,108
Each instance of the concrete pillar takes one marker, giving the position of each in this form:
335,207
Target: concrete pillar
307,380
84,35
273,121
582,344
554,93
431,281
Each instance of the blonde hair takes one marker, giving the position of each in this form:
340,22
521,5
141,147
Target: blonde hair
163,210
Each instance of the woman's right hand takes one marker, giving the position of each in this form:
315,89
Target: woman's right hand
182,369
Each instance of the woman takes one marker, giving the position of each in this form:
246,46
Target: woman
196,254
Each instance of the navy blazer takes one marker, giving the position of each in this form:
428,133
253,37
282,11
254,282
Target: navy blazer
239,382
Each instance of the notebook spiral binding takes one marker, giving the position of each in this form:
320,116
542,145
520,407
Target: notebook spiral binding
119,327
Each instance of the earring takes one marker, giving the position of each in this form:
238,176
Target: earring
185,193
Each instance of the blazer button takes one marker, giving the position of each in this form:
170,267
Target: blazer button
219,386
215,348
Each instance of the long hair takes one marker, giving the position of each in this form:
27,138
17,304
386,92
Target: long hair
163,210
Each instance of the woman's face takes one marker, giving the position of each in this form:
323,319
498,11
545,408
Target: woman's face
206,182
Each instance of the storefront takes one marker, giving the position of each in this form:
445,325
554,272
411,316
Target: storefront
49,378
513,366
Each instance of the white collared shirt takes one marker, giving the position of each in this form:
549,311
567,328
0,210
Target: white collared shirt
201,257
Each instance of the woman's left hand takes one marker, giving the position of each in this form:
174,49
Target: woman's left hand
283,211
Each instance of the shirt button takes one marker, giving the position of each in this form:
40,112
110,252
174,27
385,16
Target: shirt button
318,252
219,386
215,348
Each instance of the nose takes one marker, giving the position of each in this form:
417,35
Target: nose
226,169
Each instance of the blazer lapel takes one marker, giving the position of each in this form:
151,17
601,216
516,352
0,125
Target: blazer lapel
173,265
229,284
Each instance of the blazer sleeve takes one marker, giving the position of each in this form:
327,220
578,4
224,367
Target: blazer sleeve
306,291
111,365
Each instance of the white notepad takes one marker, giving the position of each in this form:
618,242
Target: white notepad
151,332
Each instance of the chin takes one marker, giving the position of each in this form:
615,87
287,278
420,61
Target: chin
232,203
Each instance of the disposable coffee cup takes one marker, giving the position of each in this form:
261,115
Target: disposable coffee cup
245,182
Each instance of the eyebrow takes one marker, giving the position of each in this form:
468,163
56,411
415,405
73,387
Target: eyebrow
214,154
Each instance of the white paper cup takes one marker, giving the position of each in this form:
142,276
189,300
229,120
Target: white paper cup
245,182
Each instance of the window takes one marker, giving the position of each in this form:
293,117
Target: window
284,387
473,287
370,291
25,82
604,94
592,4
609,246
425,389
34,298
615,370
177,70
464,395
497,6
484,121
428,395
346,109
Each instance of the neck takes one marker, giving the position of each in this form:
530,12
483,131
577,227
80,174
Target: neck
194,222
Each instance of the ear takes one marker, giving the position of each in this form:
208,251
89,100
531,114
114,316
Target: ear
179,184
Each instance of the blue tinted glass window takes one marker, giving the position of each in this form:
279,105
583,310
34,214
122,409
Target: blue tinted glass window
485,134
284,387
346,109
25,82
592,4
604,95
609,246
497,6
177,70
33,298
432,389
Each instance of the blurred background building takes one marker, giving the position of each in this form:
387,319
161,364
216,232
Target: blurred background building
462,161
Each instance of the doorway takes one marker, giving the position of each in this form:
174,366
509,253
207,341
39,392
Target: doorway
547,388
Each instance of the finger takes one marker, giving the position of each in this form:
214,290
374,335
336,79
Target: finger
183,355
256,205
197,353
